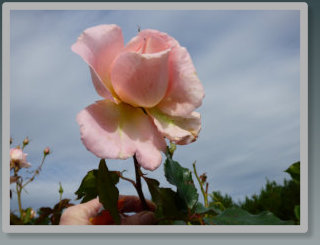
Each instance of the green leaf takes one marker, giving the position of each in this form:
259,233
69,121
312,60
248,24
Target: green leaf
294,171
182,179
166,200
107,191
200,209
237,216
88,187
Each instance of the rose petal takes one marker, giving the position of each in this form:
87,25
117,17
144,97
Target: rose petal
16,154
101,89
18,158
98,46
141,79
181,130
151,41
118,131
185,92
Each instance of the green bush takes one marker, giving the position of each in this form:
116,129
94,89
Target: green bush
281,200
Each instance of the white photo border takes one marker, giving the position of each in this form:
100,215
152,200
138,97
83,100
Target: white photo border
301,6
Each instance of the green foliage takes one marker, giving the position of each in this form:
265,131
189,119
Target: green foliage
274,205
52,216
27,216
46,215
221,201
182,179
101,182
107,191
280,200
297,212
294,171
200,209
237,216
88,187
174,207
167,201
221,210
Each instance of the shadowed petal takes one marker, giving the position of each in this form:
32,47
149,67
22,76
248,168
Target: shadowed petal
98,46
118,131
181,130
141,79
185,92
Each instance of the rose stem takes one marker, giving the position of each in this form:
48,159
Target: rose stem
205,195
138,184
36,172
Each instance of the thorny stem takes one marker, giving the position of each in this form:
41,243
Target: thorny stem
19,185
138,184
18,189
129,180
205,196
36,172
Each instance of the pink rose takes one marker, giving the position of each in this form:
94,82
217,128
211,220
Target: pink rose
150,89
18,158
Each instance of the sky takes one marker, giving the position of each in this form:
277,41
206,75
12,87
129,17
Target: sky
247,61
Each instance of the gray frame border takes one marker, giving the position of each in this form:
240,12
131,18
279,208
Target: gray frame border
302,7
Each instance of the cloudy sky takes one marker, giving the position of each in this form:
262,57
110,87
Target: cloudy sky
248,62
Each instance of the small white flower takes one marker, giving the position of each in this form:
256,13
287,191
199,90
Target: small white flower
18,158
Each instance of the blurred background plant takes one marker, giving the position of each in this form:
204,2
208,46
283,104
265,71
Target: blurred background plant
283,200
276,204
21,178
